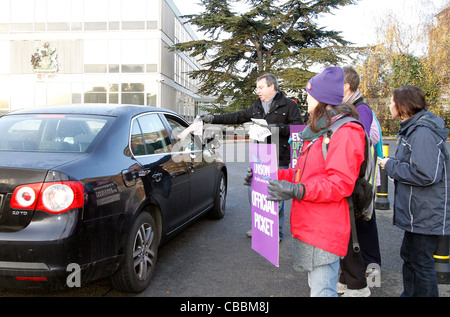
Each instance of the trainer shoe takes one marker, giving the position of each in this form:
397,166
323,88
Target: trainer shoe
341,288
363,292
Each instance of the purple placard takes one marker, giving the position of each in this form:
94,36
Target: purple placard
295,143
265,229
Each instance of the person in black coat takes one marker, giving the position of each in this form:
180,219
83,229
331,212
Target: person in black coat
278,110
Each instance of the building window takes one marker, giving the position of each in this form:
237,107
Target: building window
133,25
95,26
151,68
58,26
133,93
21,27
132,68
113,68
152,25
95,93
151,100
113,94
114,26
76,98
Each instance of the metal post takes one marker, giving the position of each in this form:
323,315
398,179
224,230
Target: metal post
382,200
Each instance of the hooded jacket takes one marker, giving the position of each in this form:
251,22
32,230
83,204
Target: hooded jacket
283,113
322,217
421,176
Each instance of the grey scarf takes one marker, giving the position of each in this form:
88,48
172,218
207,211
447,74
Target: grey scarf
308,135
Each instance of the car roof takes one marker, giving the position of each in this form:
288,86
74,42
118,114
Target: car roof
93,109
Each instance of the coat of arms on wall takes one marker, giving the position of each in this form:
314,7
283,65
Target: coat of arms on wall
45,59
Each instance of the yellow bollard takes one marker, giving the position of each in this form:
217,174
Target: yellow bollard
382,199
442,260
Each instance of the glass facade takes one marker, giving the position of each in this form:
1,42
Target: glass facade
94,51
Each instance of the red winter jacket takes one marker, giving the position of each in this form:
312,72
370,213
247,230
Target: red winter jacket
322,218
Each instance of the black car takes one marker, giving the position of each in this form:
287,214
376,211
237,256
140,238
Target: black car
98,188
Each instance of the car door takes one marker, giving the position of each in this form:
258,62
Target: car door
165,174
202,176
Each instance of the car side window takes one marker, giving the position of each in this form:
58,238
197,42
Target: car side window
189,143
177,128
149,136
137,140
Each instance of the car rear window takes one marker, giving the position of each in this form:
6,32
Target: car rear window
50,133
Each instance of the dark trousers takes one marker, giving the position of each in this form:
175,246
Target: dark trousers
419,273
368,240
353,266
353,269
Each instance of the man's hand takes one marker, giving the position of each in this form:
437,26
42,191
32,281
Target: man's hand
208,118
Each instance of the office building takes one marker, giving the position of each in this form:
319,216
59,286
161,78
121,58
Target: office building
94,51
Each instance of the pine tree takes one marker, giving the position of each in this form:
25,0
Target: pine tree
278,37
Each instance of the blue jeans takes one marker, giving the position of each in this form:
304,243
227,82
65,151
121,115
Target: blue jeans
419,273
322,280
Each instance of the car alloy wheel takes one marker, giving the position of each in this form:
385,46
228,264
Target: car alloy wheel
218,210
222,194
140,255
143,255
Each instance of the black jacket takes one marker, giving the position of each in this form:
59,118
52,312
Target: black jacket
283,113
421,174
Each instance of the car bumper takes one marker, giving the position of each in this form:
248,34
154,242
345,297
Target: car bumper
46,253
38,255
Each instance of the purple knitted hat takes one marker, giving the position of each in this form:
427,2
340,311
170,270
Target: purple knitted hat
328,86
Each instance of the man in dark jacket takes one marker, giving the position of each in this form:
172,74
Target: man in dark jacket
279,112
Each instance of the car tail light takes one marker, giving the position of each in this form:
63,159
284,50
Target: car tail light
53,197
31,278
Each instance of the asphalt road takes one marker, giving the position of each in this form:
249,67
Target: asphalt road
215,259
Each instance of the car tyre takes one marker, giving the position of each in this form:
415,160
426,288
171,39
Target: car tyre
140,257
218,210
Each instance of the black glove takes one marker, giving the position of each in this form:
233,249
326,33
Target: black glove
283,190
248,177
208,118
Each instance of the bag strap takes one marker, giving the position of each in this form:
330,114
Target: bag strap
333,127
356,247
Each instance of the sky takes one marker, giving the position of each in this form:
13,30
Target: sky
358,22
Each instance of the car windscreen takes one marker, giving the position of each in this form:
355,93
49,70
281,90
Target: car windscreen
50,132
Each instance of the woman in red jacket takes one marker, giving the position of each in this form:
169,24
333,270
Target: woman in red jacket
320,220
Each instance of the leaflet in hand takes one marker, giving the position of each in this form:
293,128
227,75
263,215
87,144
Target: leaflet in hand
259,130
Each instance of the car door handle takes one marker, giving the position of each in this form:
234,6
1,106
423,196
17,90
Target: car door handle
191,167
129,178
157,177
